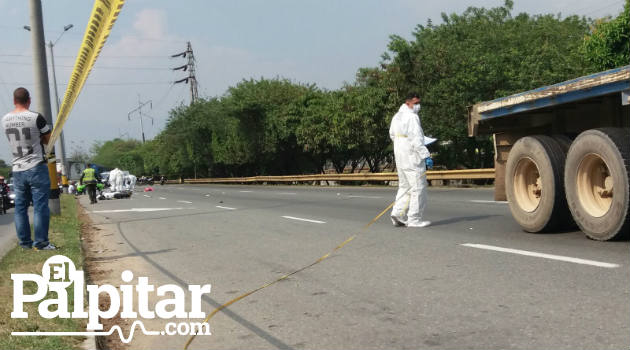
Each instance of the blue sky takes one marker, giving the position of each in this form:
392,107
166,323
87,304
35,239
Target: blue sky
310,41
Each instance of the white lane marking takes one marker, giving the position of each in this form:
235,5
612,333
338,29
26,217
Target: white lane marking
146,195
226,208
288,193
162,198
366,197
246,191
307,220
488,202
139,210
543,255
207,195
187,202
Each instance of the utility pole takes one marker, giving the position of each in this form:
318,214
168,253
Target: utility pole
43,94
141,115
190,67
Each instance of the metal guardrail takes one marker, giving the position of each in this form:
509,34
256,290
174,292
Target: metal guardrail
468,174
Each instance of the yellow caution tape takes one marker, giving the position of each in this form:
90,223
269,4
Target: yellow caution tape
324,257
104,14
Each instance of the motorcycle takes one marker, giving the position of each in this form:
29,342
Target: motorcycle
143,180
4,200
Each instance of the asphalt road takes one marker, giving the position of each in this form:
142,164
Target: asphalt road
452,285
8,237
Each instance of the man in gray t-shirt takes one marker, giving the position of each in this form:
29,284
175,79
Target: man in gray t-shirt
24,130
27,133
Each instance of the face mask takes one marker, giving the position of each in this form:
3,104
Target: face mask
416,108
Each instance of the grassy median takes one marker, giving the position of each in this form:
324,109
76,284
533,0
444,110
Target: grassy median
65,234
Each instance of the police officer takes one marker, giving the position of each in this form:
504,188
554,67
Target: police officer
90,178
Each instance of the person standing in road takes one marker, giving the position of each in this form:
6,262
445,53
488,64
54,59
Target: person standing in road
90,178
27,133
410,153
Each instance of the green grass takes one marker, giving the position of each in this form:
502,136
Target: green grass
65,234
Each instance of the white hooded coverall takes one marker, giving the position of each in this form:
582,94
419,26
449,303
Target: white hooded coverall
112,179
410,153
132,182
120,181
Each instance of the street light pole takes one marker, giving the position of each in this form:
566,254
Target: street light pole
62,141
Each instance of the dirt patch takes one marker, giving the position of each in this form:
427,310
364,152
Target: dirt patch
106,257
94,244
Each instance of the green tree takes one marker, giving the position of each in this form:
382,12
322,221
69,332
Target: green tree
118,153
264,125
608,44
480,55
347,126
4,168
319,131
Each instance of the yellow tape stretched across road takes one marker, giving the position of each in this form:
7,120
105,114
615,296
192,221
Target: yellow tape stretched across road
242,296
104,14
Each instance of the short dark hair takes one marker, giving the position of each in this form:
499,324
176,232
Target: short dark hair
21,96
412,95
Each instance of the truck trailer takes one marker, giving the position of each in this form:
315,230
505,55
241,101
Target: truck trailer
562,154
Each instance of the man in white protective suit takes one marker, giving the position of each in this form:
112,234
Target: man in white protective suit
120,181
132,182
410,153
112,180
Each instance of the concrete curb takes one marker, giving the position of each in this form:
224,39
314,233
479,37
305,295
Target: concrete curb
8,238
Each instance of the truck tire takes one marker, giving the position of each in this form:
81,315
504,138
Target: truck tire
564,142
534,184
597,183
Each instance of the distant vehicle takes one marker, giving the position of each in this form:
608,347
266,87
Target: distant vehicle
145,180
11,196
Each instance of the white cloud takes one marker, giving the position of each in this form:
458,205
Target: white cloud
149,36
151,23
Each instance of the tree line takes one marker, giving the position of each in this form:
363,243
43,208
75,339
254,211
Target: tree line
278,126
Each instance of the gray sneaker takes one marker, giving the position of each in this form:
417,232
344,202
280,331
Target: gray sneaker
50,246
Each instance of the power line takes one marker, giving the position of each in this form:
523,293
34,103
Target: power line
95,67
163,98
98,84
141,115
101,56
48,32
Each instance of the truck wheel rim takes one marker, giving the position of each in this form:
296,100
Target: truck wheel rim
527,185
594,185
